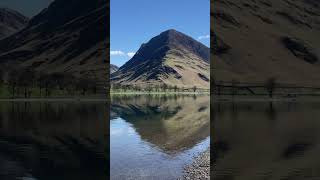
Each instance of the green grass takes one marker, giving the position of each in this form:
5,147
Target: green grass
121,92
5,93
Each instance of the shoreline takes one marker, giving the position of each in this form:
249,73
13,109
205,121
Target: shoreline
216,98
55,99
159,93
199,168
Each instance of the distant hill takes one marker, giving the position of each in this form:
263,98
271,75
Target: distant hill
257,40
11,21
171,58
67,37
113,68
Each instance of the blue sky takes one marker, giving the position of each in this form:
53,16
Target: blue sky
26,7
134,22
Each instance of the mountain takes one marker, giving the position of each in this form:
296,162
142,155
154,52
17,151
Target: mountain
257,40
67,37
113,68
171,58
11,21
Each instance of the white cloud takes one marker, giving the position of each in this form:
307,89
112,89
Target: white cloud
117,53
131,54
204,37
122,53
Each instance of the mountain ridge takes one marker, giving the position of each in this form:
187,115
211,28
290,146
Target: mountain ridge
11,21
167,59
74,42
113,68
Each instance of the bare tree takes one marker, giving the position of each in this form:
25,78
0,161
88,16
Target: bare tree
234,87
83,84
164,87
13,81
175,88
26,80
270,86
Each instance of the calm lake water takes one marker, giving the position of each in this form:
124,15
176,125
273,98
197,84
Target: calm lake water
155,137
53,140
262,140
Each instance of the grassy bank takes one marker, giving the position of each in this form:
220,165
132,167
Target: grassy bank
157,93
8,92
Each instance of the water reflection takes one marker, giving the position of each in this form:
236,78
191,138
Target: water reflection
53,140
264,140
166,130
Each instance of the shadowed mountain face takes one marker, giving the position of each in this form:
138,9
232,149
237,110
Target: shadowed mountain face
113,68
11,21
172,58
173,124
67,37
256,40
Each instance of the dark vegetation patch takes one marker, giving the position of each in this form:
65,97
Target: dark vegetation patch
300,49
266,3
177,53
203,77
219,47
228,3
201,67
292,19
221,16
178,66
203,108
292,4
164,71
252,7
264,19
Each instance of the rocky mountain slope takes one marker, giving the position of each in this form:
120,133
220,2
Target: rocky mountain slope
259,39
113,68
67,37
171,58
11,21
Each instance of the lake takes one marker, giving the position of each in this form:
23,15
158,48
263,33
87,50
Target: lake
264,140
155,137
53,140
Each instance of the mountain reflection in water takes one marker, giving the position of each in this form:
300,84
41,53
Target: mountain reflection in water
161,135
264,140
53,140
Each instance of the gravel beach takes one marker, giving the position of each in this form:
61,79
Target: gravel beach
199,169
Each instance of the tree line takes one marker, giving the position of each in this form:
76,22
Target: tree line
152,88
23,82
269,85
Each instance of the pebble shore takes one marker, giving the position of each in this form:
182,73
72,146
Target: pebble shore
199,169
